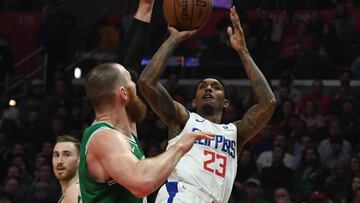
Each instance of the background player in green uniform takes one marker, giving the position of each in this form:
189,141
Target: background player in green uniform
65,161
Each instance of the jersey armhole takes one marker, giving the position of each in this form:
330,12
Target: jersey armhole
92,136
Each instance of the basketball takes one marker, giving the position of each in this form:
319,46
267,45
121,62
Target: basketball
187,14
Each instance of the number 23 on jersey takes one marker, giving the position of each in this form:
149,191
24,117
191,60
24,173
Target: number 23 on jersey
219,168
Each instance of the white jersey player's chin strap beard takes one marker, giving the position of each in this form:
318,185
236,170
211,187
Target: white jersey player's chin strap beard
207,110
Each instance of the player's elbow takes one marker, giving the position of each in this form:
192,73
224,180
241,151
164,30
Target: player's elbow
143,189
270,105
144,84
273,103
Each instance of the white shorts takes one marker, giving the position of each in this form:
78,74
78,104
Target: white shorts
180,192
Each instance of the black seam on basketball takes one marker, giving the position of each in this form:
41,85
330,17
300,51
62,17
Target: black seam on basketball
177,22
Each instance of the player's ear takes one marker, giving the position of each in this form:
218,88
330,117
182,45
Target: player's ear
226,103
122,93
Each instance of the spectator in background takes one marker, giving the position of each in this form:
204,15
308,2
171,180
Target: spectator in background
25,177
334,147
318,96
106,33
335,154
40,159
62,96
266,158
58,127
308,175
318,195
339,180
344,25
5,198
247,166
265,138
5,150
281,195
22,187
277,174
287,80
354,166
342,94
313,118
41,193
252,192
6,59
353,195
172,86
283,115
294,129
300,145
44,175
37,127
53,34
295,44
47,149
349,116
11,187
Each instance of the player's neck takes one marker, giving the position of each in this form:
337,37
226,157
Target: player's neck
117,118
66,184
215,118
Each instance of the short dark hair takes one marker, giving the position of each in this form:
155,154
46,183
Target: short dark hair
213,77
68,138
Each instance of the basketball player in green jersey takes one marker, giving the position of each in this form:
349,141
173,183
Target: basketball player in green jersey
65,161
112,166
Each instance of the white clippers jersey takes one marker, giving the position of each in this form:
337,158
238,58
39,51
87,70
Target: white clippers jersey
210,165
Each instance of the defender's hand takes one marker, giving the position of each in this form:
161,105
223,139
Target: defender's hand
187,141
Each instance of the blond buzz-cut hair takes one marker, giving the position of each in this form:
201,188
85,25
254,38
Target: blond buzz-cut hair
102,82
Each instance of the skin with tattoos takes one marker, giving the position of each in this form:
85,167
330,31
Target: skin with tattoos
209,103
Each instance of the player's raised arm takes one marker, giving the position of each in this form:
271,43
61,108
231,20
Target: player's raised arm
132,49
257,116
170,111
140,177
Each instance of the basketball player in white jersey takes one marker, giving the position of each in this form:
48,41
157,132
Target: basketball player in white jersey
207,172
65,161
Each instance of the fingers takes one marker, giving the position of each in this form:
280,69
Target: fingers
192,32
235,20
204,135
230,31
172,29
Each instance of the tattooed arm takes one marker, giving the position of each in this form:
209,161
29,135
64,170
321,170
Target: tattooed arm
171,112
258,115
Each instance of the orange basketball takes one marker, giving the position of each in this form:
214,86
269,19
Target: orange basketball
187,14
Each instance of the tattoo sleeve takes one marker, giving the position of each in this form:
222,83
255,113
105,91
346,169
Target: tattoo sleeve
155,94
258,115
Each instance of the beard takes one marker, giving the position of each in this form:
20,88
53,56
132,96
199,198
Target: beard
207,110
65,175
135,108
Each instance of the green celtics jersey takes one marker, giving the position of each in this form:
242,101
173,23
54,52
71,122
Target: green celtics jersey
93,191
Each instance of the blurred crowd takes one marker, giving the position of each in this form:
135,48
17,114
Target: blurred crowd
308,152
